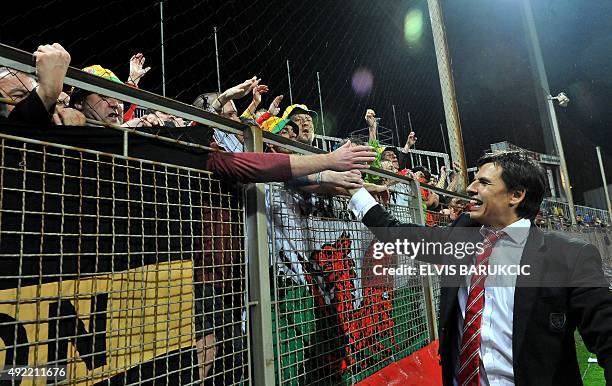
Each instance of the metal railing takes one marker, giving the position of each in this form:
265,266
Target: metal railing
150,258
125,268
430,159
117,268
559,212
129,269
335,321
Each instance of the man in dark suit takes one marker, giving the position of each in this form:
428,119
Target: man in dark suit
522,333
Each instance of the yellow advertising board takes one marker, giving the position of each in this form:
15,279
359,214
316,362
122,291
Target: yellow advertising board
99,326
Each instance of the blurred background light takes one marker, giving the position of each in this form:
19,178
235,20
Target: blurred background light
413,26
362,81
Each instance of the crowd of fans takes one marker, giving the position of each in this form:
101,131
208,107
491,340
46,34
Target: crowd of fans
555,217
45,101
42,101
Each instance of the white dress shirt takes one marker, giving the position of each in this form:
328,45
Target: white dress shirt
361,202
497,315
496,325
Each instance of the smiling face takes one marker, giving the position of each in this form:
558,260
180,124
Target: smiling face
101,108
498,208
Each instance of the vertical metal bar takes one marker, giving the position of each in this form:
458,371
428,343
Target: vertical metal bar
539,76
551,182
217,59
125,143
420,214
396,130
451,111
430,308
163,56
262,356
409,121
289,79
443,138
447,163
321,104
426,281
543,91
565,180
605,183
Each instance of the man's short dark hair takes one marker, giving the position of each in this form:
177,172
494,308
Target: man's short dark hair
392,149
78,95
519,171
292,125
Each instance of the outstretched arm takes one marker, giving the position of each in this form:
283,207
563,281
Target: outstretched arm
370,118
409,142
236,92
388,229
346,157
257,91
277,167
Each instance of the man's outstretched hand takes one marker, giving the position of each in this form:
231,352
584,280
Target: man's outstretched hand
350,179
239,90
137,69
274,108
257,91
370,118
349,156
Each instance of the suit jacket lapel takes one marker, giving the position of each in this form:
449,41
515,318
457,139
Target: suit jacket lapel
527,287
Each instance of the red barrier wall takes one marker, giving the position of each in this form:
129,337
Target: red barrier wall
421,368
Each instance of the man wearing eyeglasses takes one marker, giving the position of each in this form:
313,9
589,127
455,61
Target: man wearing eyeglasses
36,101
303,117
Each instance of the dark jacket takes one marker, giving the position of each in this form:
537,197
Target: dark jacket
31,110
546,314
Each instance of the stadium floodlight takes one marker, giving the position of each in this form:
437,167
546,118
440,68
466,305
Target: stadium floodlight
547,110
561,98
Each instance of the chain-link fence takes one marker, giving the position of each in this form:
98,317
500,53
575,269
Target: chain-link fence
119,269
132,270
336,319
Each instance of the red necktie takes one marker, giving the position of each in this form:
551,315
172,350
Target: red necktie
469,352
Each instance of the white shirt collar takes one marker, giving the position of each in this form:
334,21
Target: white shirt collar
517,231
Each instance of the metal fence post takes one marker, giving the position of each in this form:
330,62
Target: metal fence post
605,183
262,352
447,85
428,296
430,307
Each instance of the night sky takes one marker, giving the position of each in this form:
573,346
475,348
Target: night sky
369,54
